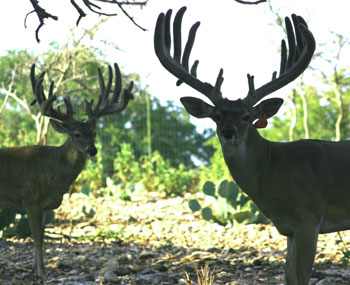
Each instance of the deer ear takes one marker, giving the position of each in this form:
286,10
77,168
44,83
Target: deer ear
59,126
267,107
196,107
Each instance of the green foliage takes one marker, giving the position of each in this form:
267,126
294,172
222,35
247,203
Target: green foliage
217,169
91,180
345,259
73,68
321,118
345,252
7,220
14,222
151,173
227,204
172,133
104,233
126,166
322,112
88,214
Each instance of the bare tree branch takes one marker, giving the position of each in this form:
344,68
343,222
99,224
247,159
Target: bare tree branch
43,15
250,3
80,11
3,106
130,18
7,95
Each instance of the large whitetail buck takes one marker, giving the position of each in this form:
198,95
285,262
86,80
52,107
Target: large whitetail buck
302,186
36,177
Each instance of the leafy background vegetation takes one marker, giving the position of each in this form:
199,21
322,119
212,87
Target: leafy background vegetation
152,146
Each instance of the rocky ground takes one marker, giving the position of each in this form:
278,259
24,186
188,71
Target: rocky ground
152,240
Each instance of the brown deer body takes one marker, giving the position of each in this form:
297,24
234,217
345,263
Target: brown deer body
36,177
302,186
39,163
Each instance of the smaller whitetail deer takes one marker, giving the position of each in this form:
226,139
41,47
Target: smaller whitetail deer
36,177
302,186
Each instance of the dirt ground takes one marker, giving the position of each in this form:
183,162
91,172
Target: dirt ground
152,240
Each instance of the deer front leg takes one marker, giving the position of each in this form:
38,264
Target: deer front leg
35,217
44,215
290,272
301,249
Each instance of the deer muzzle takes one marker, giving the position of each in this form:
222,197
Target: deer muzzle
229,134
92,150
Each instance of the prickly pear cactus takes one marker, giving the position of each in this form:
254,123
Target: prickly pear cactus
209,189
227,204
228,190
207,214
194,205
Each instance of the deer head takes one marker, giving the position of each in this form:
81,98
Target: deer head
82,133
234,118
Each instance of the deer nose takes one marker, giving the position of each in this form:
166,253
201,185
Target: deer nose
92,150
229,134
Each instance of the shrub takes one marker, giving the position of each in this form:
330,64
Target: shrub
152,173
14,222
217,169
125,165
91,178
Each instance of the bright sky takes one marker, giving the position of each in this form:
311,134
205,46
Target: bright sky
236,37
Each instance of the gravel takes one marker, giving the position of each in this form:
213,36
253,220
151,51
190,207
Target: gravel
155,240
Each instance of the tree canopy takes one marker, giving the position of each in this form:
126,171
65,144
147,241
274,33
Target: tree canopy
73,68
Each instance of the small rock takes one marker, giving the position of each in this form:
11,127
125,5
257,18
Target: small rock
135,268
147,254
124,259
112,277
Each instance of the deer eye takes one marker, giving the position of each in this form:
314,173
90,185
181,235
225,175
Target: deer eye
246,118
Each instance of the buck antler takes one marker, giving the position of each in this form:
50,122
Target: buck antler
289,182
178,65
119,99
45,104
299,57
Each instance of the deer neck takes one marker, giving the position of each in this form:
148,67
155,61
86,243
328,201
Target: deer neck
74,160
247,161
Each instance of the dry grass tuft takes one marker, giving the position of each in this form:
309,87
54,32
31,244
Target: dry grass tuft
204,276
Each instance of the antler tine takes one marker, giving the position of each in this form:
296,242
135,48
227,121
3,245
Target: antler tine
103,89
46,104
105,106
177,34
117,83
178,64
301,45
125,95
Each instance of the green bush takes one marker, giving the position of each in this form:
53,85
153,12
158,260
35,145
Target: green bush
227,204
14,222
126,167
91,179
217,169
151,173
